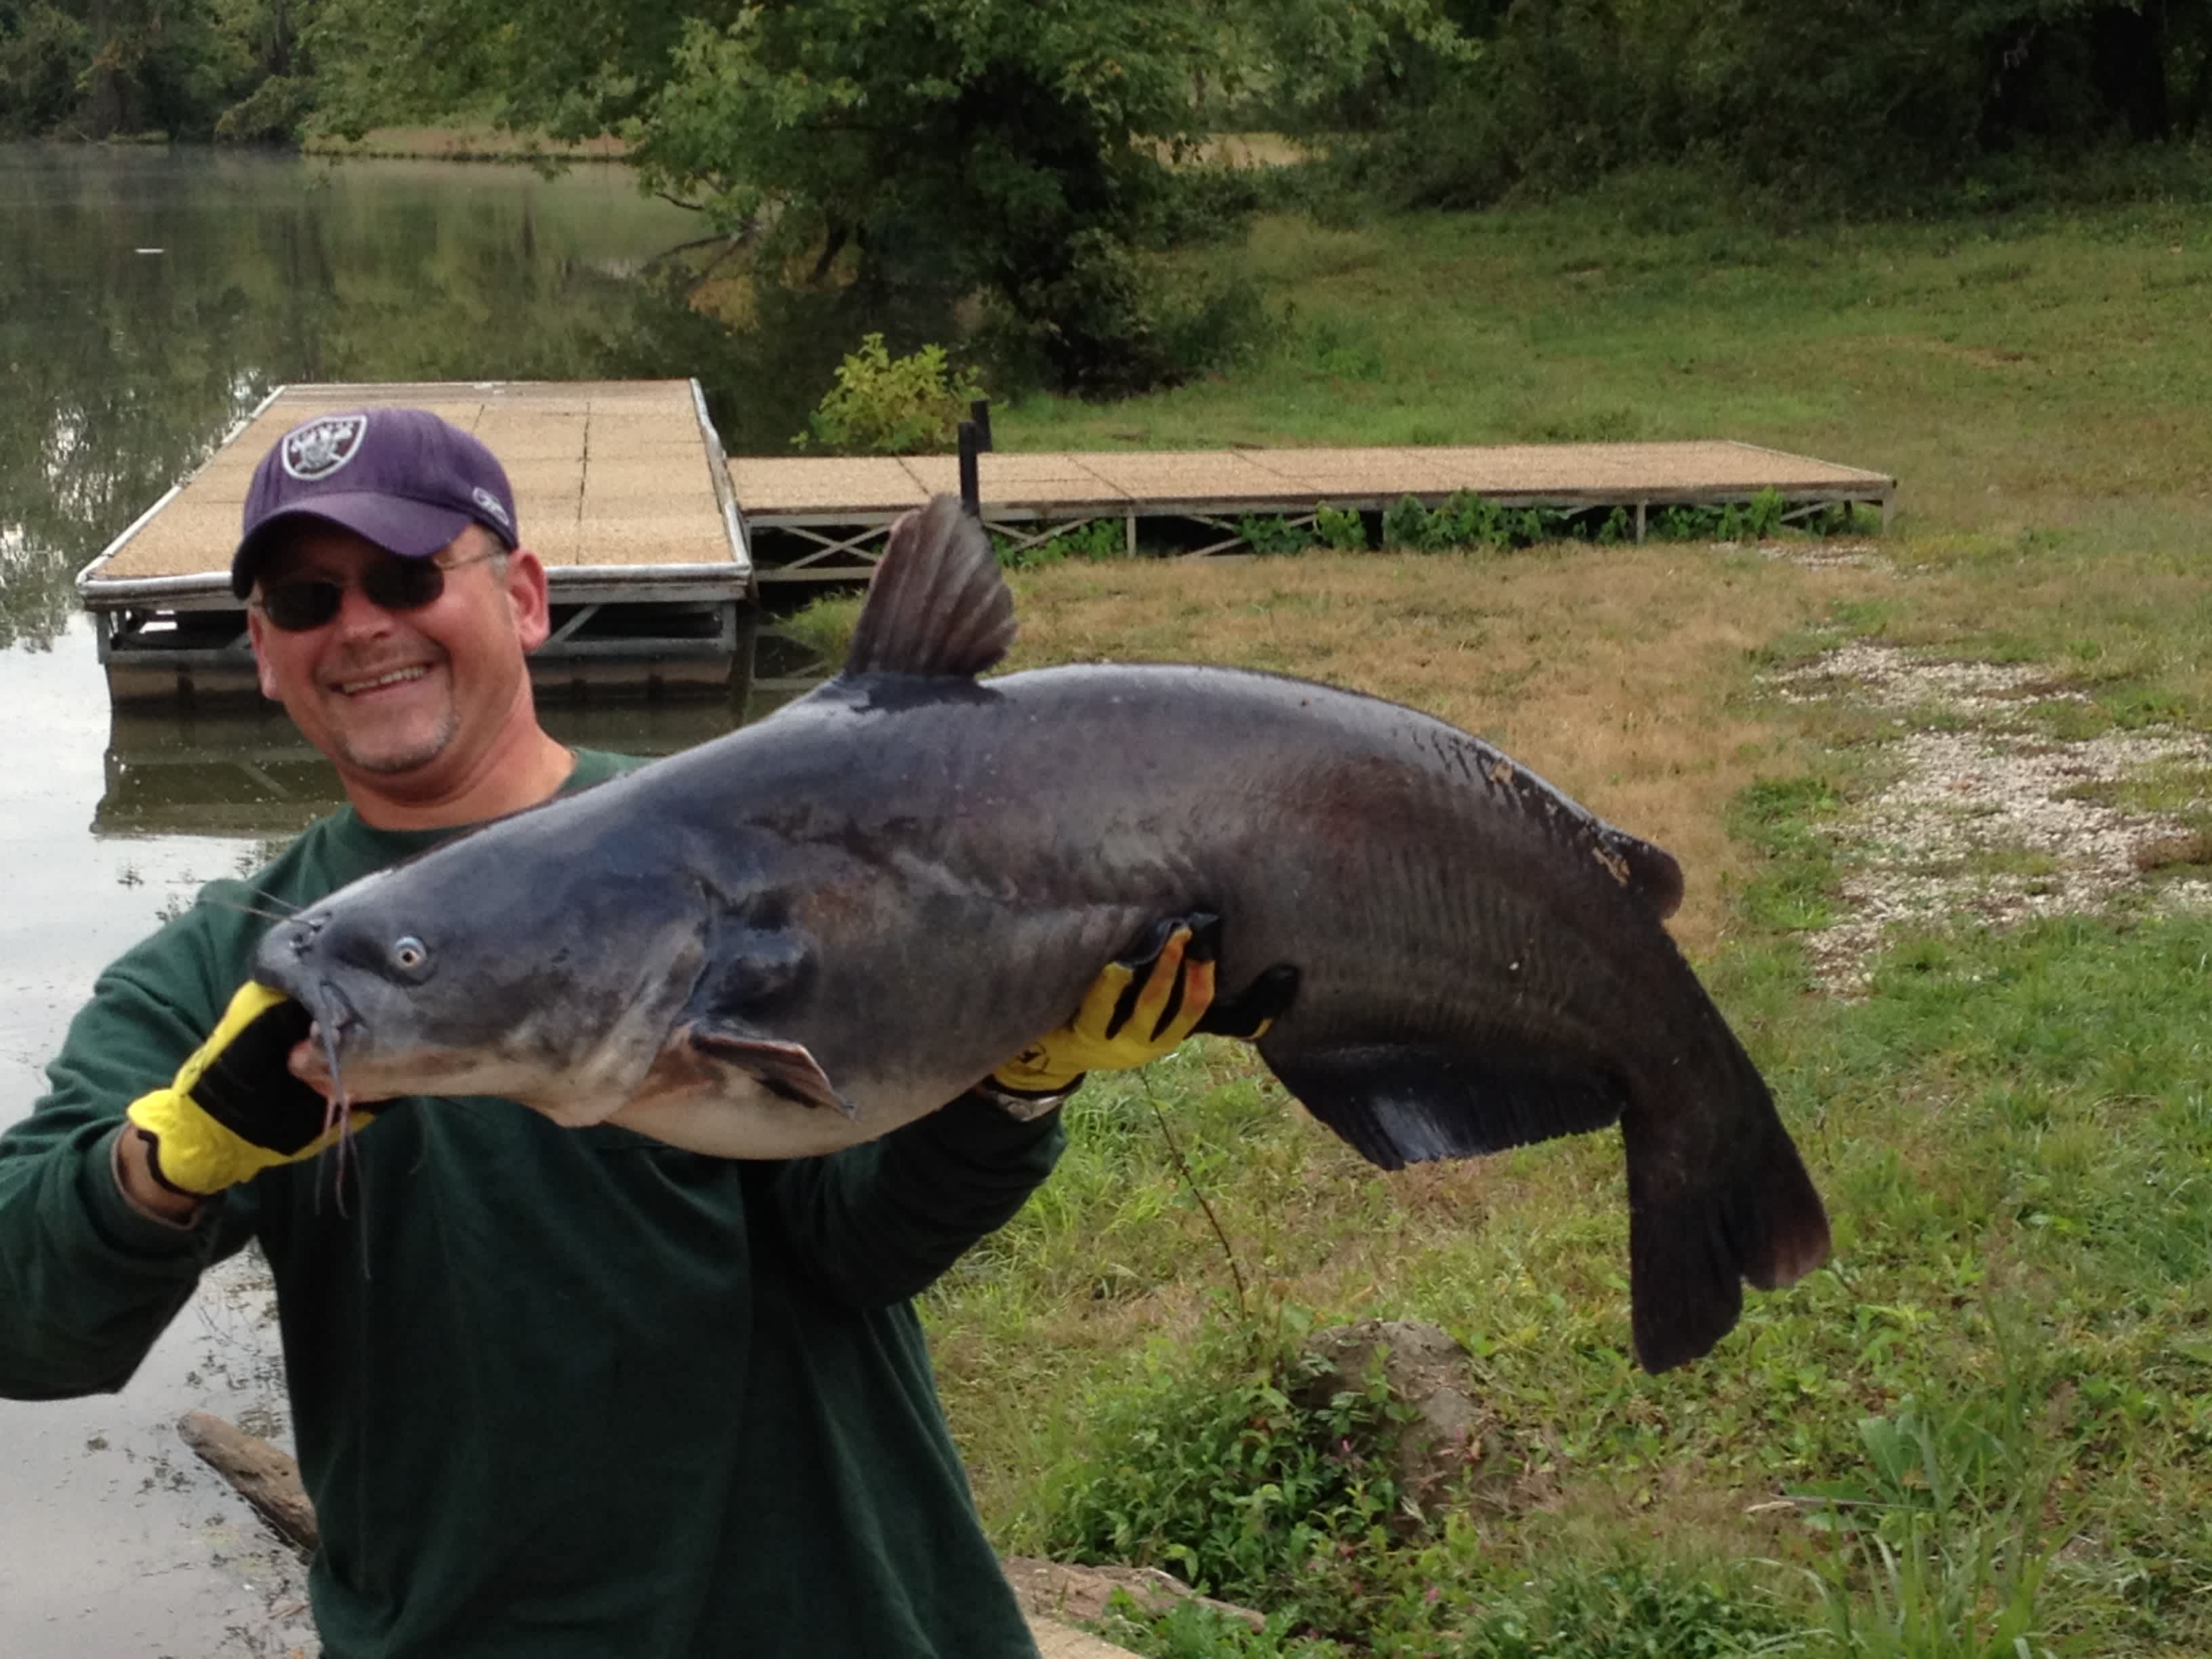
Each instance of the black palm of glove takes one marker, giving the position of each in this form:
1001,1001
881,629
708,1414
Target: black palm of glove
234,1108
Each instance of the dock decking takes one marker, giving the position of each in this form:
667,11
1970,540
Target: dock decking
657,544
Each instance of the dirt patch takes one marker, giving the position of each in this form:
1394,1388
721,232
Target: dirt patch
1982,820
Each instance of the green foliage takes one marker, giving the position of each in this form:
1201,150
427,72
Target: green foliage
1091,539
1269,536
1226,1481
1045,136
1467,520
1862,101
1340,528
273,114
887,405
45,53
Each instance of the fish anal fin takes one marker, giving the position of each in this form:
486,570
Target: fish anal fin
937,604
1401,1104
787,1070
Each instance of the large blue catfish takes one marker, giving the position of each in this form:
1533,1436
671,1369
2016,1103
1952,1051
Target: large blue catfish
804,934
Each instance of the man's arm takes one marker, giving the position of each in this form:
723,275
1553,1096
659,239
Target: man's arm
88,1278
879,1223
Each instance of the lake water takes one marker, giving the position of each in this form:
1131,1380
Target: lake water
147,300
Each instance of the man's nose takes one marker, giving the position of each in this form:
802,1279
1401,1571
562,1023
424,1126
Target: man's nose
359,615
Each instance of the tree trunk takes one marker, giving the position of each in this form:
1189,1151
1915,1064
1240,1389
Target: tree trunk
2128,50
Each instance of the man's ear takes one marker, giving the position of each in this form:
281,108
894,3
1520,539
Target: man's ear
253,627
525,592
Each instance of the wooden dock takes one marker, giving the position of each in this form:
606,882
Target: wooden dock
659,547
825,520
620,486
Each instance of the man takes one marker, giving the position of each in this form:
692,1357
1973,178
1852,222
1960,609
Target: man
555,1392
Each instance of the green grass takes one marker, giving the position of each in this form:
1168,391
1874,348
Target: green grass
1986,1429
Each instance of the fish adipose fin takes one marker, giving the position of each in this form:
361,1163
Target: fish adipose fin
937,604
1399,1104
1647,870
787,1070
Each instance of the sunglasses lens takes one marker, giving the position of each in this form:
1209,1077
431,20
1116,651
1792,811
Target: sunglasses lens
404,584
297,606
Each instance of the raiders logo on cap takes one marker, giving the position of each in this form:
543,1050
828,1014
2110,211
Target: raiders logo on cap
312,453
490,503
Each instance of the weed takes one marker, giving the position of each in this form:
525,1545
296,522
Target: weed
1942,1557
1226,1481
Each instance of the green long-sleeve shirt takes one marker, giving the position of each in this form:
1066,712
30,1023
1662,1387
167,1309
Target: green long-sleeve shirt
555,1392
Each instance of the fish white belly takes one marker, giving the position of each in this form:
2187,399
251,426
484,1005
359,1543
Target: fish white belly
742,1119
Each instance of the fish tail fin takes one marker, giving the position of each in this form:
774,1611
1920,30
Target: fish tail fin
937,604
1716,1198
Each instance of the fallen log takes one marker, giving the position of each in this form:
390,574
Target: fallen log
265,1475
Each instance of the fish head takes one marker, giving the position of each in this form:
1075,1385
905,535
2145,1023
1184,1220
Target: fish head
466,976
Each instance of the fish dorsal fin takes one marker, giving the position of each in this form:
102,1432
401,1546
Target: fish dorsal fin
937,604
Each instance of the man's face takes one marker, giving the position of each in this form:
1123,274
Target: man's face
400,700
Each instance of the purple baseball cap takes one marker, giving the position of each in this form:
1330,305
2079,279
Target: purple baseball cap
403,477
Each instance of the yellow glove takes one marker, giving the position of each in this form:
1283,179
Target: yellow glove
1135,1011
235,1108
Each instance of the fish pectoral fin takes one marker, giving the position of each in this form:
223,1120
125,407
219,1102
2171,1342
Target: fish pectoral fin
1398,1103
787,1070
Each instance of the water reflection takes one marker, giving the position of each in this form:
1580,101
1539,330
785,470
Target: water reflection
252,774
148,300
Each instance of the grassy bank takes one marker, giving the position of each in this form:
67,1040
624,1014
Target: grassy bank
464,142
1992,1417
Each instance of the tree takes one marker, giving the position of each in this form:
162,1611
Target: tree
1029,149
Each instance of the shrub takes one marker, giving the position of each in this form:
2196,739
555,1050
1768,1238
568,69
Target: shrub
1340,528
887,405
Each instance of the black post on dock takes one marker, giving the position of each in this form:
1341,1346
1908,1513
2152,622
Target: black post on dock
979,413
971,491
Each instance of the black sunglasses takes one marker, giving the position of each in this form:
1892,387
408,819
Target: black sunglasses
306,603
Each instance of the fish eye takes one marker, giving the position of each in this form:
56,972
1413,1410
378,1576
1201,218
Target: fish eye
408,954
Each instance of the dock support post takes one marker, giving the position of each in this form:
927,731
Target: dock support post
979,412
1640,508
971,494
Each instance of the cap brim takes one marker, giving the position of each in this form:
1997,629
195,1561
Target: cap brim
413,530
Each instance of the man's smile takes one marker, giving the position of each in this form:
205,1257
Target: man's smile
390,677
